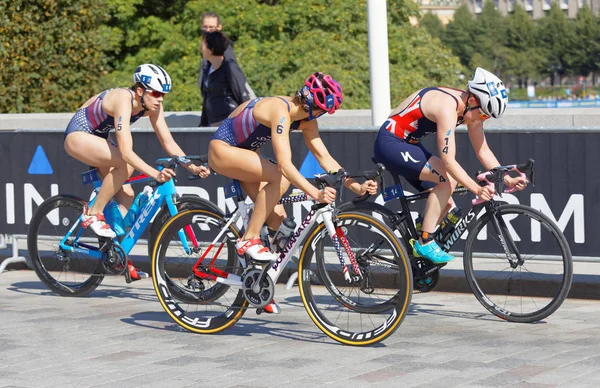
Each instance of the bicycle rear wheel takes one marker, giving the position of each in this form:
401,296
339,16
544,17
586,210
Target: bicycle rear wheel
199,304
66,273
526,291
364,311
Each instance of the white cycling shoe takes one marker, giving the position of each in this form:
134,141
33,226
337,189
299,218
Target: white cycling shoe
255,249
98,225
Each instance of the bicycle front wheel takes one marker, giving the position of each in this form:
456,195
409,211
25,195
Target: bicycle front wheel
518,263
204,298
371,306
65,272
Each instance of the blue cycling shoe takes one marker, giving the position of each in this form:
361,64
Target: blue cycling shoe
431,251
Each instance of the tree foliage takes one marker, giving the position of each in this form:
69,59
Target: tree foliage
50,54
57,53
520,49
277,43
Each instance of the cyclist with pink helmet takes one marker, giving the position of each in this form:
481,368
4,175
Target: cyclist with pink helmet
233,152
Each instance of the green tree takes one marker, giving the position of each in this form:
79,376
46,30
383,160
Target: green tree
586,50
50,54
432,24
460,35
524,56
489,38
556,37
279,43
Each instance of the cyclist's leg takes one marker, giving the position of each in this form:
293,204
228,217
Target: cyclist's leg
276,217
96,151
414,162
250,167
427,186
273,221
125,195
437,205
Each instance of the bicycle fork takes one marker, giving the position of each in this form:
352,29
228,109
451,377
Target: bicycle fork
506,241
340,242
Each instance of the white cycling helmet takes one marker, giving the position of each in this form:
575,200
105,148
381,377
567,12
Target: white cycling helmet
152,77
490,91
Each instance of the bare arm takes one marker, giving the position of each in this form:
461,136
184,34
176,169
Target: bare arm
157,119
442,111
487,157
280,135
310,131
482,150
119,103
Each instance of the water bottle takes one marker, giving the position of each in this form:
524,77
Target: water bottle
136,207
419,224
264,237
115,218
283,234
448,223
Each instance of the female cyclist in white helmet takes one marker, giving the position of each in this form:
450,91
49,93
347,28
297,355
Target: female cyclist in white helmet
440,110
86,139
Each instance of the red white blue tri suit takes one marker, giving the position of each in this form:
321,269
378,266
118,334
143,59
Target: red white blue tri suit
244,131
94,120
398,143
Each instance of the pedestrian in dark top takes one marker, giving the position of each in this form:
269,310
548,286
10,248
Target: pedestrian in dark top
222,83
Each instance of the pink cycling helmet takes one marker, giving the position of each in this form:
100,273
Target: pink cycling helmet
326,92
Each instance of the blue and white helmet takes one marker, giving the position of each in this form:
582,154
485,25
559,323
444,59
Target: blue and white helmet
490,91
152,77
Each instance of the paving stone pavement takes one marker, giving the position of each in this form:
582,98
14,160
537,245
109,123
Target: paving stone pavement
120,337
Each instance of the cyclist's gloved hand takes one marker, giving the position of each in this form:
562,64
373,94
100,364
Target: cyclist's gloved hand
486,193
369,186
201,171
518,183
164,175
326,195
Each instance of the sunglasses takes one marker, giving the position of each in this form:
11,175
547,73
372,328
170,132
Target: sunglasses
482,115
155,94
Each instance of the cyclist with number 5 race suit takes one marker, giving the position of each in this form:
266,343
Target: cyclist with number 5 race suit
233,152
86,139
440,110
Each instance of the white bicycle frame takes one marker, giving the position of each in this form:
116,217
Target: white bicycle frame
323,214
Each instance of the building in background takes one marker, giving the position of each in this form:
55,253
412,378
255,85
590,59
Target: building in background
536,8
444,9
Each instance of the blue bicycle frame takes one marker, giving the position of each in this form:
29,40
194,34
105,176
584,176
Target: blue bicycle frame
165,193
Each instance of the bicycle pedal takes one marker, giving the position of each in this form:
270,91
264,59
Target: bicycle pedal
106,244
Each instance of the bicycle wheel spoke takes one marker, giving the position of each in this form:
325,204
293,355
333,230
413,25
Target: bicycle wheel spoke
368,308
194,299
66,272
524,291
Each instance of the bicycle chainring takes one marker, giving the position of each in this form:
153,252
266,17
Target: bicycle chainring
267,289
426,274
114,261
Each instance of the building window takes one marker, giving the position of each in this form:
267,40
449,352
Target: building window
478,6
546,5
529,5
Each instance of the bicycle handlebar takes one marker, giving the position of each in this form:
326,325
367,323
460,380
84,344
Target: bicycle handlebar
175,160
336,180
375,175
494,178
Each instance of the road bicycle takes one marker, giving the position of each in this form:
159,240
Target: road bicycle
71,260
354,277
509,282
